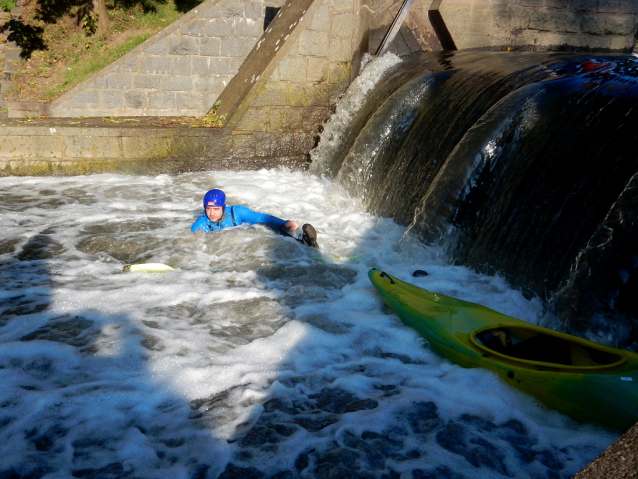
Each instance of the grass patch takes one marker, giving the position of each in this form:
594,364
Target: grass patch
68,56
99,54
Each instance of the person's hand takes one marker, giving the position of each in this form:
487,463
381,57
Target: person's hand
291,225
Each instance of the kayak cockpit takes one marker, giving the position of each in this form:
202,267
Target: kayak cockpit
539,345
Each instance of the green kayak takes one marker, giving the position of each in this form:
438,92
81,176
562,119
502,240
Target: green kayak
588,381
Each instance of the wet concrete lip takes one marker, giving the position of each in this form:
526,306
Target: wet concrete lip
106,122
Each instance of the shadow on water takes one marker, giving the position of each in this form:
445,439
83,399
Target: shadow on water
353,412
77,399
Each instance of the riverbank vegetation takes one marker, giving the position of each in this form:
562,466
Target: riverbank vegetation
63,42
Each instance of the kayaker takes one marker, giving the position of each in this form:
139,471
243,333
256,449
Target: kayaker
217,215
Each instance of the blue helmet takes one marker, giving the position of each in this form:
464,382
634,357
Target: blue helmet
215,198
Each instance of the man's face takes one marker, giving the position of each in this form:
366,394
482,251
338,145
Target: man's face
214,213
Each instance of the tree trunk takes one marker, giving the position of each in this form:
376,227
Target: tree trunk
99,7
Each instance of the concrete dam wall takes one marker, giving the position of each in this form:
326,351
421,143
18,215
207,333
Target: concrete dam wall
278,80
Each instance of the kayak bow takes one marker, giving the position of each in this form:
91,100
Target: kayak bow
588,381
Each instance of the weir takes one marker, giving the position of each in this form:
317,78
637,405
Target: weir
524,167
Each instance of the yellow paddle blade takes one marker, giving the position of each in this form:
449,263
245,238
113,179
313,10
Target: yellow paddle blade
148,268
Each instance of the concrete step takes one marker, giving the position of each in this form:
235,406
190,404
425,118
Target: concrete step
11,69
12,55
16,13
5,85
12,63
20,109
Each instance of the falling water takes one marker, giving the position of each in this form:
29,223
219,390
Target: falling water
521,165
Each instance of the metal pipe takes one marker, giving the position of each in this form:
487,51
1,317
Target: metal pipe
394,28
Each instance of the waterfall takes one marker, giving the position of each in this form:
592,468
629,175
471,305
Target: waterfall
520,164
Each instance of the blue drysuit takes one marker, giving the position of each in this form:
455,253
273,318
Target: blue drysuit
236,215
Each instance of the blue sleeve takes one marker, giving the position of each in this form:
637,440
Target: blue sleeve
246,215
200,224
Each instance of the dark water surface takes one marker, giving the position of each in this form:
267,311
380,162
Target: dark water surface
518,164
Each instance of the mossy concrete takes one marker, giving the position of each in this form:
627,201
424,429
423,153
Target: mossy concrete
136,146
293,77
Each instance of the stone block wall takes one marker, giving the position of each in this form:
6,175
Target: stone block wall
180,71
306,61
542,25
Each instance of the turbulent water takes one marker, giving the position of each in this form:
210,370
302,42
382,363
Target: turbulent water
256,357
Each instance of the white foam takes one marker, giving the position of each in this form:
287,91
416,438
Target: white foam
157,373
373,70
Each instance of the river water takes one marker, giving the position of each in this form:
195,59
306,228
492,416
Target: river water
256,356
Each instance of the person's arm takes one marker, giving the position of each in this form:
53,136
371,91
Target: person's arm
246,215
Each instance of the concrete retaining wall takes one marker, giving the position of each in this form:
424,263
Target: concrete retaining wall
285,90
276,104
184,69
529,25
416,34
90,146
